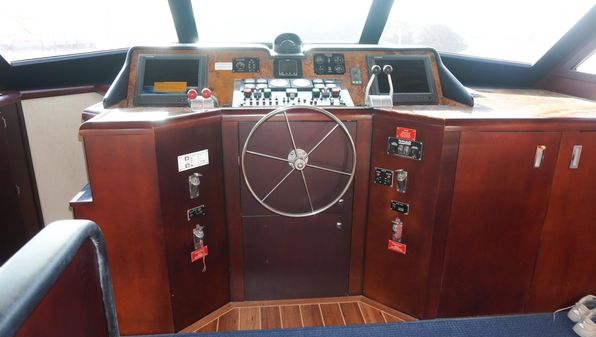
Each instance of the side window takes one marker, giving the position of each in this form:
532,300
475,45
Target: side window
588,65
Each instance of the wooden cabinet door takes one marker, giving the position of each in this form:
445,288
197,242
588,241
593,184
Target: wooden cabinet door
565,269
11,232
20,215
499,203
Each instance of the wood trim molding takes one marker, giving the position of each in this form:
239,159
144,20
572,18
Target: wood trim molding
63,91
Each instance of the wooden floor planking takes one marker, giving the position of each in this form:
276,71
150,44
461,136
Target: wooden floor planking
311,315
371,315
290,316
351,313
270,318
229,321
298,313
332,314
249,318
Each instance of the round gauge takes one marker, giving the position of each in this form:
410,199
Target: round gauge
339,69
338,59
319,59
240,66
301,83
287,43
279,82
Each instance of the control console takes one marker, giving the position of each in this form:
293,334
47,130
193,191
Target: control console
283,92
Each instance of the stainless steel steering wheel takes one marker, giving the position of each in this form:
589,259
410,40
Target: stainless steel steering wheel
298,160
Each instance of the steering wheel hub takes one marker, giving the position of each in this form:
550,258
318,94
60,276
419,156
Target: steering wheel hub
297,159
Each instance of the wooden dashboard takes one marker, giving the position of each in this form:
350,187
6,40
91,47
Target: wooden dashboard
507,179
221,82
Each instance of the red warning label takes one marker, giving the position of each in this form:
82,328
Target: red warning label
199,254
405,133
397,247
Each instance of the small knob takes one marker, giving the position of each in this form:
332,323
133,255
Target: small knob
316,92
376,69
387,69
192,94
206,93
247,92
335,92
195,179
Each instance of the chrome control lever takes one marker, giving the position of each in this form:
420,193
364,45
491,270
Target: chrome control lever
374,70
387,70
379,101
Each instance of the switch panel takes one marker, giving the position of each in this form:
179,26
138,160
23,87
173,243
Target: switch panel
195,212
383,176
400,207
410,149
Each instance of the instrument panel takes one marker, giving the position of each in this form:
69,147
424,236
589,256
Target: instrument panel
229,71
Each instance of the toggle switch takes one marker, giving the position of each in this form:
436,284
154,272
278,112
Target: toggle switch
397,227
401,176
193,185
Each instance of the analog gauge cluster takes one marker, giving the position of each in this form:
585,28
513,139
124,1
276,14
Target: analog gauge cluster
329,64
246,65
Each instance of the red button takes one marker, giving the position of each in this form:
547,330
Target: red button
206,93
192,94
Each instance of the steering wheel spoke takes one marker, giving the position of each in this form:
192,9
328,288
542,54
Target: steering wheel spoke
266,156
278,184
328,169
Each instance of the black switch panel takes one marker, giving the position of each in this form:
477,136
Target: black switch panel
246,65
195,212
400,207
329,64
383,176
410,149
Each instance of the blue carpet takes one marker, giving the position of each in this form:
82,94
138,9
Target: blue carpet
533,325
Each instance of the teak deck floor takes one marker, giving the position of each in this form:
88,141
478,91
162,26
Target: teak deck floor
261,315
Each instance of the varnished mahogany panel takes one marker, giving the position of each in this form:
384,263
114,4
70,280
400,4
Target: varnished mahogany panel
565,270
296,257
400,281
499,203
232,187
194,293
73,306
127,207
232,146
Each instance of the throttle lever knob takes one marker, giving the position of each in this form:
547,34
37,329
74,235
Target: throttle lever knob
376,69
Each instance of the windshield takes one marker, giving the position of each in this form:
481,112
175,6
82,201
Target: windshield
513,30
33,29
332,21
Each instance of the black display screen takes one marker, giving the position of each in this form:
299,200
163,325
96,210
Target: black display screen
174,70
408,76
288,67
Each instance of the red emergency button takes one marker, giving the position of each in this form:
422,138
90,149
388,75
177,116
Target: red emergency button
206,93
192,94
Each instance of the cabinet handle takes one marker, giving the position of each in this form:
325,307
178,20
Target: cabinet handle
576,153
539,155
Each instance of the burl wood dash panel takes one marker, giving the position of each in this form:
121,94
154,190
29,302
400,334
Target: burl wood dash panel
221,82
